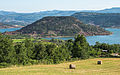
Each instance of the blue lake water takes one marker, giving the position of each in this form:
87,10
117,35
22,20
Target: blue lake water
110,39
8,29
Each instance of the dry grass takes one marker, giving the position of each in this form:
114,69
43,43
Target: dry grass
110,66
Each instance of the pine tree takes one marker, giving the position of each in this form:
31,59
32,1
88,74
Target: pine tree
80,47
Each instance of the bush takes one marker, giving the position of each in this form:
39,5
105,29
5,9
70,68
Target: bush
46,61
34,61
4,64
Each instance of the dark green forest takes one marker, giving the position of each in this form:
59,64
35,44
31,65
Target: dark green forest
53,51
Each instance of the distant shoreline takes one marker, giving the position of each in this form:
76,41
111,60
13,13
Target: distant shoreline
114,27
14,26
10,27
62,36
72,36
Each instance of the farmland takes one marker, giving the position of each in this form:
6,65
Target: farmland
110,66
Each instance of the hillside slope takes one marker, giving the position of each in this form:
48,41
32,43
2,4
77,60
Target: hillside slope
101,19
62,26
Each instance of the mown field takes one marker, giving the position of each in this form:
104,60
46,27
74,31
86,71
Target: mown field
110,66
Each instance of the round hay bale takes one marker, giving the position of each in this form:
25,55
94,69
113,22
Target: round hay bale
99,62
71,66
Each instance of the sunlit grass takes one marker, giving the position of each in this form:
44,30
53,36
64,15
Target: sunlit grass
20,40
110,66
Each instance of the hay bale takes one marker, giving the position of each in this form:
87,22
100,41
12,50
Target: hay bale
99,62
71,66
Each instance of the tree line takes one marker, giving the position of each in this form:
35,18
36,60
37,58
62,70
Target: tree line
52,52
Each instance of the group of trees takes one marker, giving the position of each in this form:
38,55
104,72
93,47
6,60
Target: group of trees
55,51
114,48
52,52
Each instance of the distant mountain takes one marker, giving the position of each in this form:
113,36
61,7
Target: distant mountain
111,10
3,25
61,26
6,13
14,18
101,19
28,18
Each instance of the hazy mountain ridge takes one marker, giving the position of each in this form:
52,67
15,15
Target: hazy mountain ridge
101,19
28,18
112,10
3,25
13,18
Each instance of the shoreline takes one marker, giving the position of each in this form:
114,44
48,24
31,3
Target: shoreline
7,27
74,36
10,27
42,36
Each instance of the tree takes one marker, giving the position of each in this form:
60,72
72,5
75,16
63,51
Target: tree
29,48
7,51
69,44
80,47
40,51
50,49
21,54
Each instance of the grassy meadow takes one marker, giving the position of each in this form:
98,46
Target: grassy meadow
18,40
110,66
21,40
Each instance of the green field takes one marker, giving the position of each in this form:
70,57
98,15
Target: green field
21,40
18,40
110,66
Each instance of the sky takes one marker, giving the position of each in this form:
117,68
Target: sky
25,6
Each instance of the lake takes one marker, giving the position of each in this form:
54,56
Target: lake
8,29
110,39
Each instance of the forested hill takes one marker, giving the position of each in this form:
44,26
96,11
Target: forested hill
101,19
62,26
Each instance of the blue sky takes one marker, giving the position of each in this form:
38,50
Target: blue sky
40,5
